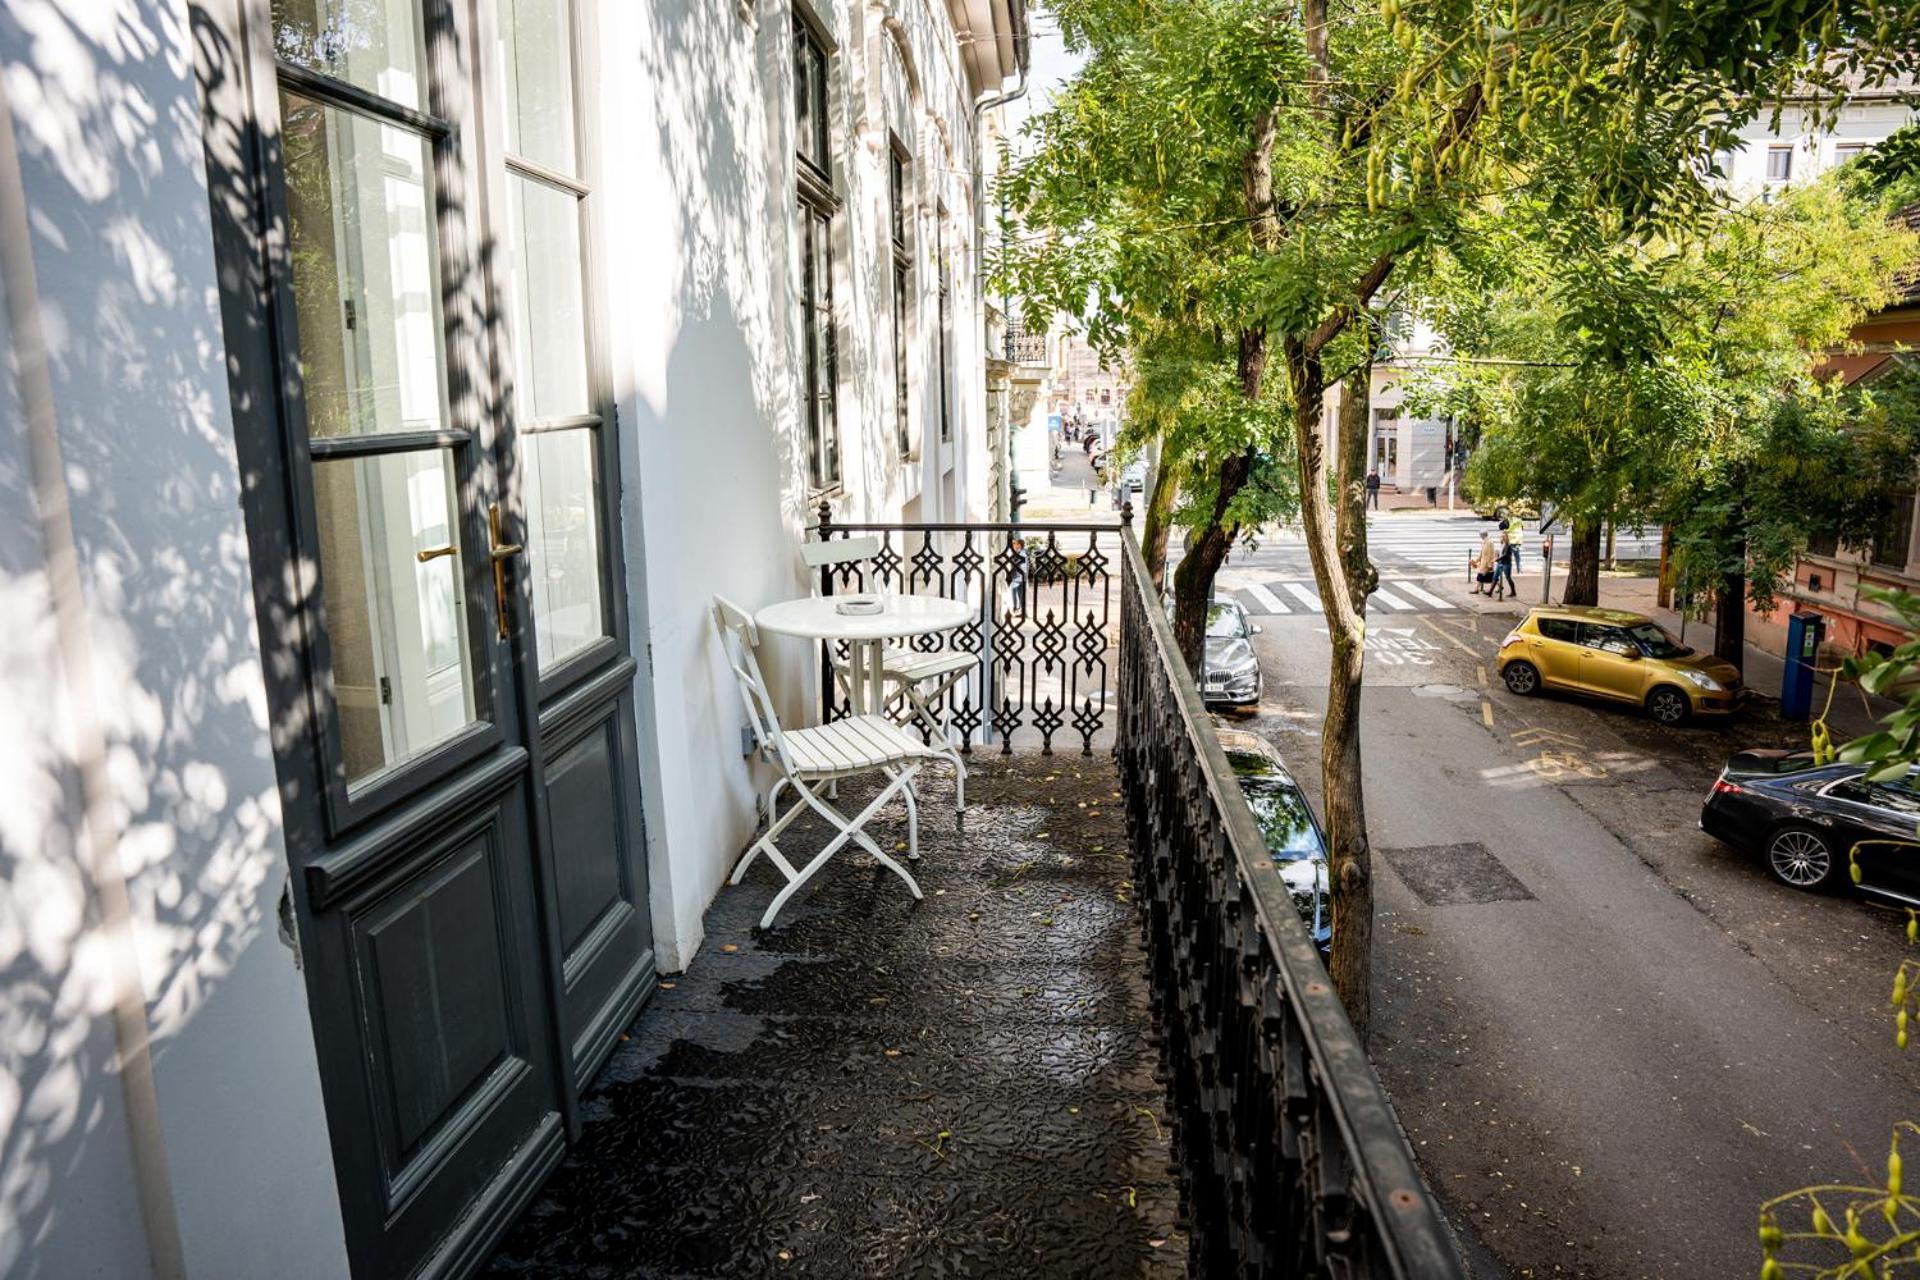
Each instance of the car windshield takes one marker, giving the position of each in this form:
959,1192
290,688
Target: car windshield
1285,824
1224,620
1656,643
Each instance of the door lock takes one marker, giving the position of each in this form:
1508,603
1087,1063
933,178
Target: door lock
499,552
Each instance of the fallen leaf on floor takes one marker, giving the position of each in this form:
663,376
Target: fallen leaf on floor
893,1053
1155,1242
729,948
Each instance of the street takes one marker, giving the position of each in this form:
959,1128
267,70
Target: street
1608,1036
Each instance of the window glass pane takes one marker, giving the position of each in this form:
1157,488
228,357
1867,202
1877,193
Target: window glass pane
378,45
366,272
396,624
563,542
536,69
549,316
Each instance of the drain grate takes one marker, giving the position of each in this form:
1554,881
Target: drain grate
1446,875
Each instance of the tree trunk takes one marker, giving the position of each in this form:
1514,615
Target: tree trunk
1583,564
1351,500
1159,522
1730,616
1193,578
1332,537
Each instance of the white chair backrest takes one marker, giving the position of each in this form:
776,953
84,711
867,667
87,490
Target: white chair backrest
738,638
839,551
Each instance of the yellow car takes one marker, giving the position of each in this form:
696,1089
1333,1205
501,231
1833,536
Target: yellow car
1624,657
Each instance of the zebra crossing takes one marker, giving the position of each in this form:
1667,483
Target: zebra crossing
1443,543
1277,599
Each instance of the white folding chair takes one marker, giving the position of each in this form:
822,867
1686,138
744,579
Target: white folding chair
909,671
810,760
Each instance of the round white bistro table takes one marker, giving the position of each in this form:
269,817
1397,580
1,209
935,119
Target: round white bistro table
866,634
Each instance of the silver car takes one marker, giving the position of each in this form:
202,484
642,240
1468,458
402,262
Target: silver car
1229,671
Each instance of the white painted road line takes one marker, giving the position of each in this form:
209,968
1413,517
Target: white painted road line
1423,595
1388,599
1268,601
1305,596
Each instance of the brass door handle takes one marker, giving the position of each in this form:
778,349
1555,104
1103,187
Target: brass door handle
499,552
434,553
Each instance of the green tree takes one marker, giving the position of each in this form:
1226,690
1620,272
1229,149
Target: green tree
1261,170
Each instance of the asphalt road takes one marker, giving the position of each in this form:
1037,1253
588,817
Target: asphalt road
1609,1037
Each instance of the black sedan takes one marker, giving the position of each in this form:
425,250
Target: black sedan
1287,825
1809,821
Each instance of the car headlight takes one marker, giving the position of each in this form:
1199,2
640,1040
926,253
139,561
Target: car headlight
1701,679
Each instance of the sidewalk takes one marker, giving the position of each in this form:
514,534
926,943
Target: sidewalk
1853,712
1062,494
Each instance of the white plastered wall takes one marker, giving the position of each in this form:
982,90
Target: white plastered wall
163,752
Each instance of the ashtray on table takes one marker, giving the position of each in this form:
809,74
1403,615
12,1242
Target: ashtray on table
860,606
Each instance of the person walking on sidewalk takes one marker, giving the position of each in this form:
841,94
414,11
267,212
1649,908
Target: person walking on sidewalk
1509,551
1486,578
1017,576
1373,488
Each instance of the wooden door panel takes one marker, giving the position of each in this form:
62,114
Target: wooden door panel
597,868
440,953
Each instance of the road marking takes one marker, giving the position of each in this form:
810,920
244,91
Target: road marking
1534,736
1422,594
1480,670
1388,599
1305,596
1486,712
1269,601
1448,636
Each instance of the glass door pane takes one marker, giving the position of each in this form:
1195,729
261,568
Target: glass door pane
366,272
563,552
376,45
549,314
396,611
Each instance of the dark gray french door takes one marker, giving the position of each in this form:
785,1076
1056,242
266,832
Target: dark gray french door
403,207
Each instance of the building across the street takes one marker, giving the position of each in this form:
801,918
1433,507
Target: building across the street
393,384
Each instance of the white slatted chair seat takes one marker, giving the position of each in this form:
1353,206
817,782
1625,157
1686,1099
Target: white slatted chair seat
853,745
910,664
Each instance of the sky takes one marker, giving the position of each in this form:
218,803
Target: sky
1051,64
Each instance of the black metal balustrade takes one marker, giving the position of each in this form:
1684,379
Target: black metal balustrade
1045,636
1292,1160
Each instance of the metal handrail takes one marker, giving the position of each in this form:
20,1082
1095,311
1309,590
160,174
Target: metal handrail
1362,1208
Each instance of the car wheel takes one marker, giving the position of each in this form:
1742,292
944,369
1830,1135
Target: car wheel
1522,678
1667,705
1802,859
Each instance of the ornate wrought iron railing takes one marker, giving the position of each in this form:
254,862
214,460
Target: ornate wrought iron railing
1292,1160
1024,346
1045,622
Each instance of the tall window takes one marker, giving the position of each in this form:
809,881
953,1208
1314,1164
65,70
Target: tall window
818,204
946,323
1891,543
902,292
544,293
1845,151
1779,164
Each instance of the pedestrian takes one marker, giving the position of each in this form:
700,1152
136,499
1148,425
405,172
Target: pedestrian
1516,530
1373,488
1017,575
1485,580
1509,556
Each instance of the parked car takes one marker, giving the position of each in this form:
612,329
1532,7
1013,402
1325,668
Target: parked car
1618,656
1134,476
1806,819
1230,672
1287,825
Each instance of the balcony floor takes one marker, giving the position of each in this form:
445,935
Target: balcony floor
875,1087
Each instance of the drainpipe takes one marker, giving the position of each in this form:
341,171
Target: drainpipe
981,105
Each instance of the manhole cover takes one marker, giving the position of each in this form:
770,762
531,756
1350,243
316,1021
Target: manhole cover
1445,875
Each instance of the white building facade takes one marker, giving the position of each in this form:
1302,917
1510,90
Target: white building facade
391,386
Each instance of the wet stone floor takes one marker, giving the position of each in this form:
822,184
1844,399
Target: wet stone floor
876,1087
